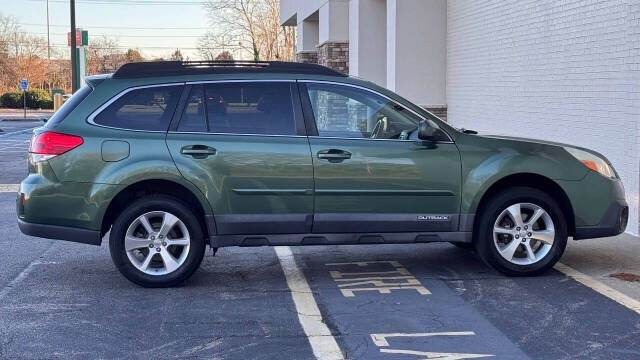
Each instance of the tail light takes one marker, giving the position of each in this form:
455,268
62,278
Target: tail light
49,144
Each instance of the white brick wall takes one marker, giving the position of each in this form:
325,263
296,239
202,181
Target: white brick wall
567,71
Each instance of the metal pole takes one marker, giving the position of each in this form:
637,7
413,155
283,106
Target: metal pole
74,63
48,39
24,102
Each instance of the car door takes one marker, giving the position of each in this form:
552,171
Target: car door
243,144
371,172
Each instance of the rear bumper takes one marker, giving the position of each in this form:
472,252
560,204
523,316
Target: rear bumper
613,222
72,234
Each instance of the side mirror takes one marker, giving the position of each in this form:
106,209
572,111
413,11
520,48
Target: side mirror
429,133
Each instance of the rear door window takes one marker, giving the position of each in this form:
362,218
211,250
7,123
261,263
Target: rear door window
193,117
149,108
250,108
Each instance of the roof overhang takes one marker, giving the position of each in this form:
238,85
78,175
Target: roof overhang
291,21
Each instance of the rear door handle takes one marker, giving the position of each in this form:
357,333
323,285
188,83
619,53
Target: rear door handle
334,155
198,151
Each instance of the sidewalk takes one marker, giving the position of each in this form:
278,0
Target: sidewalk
17,114
599,258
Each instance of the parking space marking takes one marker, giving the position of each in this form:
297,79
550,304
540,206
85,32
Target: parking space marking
380,340
600,287
16,144
18,132
399,278
26,271
4,188
435,355
322,342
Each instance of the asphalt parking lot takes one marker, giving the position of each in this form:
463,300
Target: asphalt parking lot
420,301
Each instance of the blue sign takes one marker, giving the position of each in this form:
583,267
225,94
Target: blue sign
24,84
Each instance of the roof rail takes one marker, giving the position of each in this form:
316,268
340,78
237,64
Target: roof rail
170,68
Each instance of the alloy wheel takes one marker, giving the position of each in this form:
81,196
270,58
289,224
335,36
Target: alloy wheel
157,243
523,233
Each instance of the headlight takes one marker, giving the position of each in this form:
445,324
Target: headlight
592,161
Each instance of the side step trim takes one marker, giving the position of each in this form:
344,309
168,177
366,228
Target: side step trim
338,239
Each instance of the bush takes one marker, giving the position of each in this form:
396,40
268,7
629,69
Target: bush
36,99
39,99
11,100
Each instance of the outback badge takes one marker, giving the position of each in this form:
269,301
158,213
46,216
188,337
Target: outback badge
433,217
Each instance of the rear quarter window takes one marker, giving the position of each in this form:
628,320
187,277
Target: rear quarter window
68,106
149,108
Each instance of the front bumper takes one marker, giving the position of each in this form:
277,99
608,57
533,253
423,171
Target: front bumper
613,222
72,234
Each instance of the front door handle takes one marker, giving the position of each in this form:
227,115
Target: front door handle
334,155
198,151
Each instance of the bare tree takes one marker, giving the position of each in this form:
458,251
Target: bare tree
212,44
177,56
8,30
25,56
251,25
21,56
103,55
58,75
224,56
27,59
275,41
133,55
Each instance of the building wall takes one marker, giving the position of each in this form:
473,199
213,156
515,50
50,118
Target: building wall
368,48
301,9
416,50
559,70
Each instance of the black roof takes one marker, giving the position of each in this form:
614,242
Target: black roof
171,68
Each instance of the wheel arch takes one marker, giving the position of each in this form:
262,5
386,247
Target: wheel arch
535,181
146,187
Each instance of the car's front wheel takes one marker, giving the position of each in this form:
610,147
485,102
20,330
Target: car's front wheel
157,241
521,232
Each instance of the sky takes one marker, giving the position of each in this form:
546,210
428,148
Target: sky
155,27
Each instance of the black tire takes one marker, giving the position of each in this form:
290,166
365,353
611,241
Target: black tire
483,236
142,206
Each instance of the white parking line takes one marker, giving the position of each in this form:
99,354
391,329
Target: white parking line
26,271
9,188
323,344
598,286
17,132
381,339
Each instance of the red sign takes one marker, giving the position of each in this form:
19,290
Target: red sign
82,38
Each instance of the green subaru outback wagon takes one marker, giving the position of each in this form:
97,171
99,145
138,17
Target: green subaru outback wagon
169,157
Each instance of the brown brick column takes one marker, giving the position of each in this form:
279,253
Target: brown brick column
334,55
307,57
439,111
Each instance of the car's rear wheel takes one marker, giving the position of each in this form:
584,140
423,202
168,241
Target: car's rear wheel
157,241
521,232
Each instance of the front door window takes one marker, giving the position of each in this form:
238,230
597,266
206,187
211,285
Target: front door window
344,111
